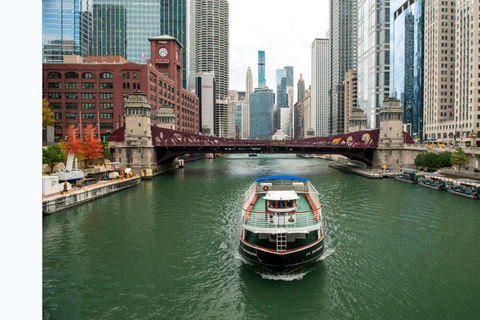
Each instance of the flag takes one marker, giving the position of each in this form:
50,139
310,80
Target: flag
142,57
450,108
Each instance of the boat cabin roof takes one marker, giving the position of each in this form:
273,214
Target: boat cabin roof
468,181
281,195
281,178
433,174
408,170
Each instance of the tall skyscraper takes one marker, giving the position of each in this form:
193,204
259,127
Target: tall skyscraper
262,82
262,101
109,37
212,52
290,98
320,112
351,101
373,58
299,110
246,105
149,19
205,90
406,61
282,101
439,67
66,29
343,54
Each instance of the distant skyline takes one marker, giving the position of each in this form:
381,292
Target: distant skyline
285,30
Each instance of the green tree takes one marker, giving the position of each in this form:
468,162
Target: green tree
420,160
431,161
53,155
106,150
47,115
459,157
445,159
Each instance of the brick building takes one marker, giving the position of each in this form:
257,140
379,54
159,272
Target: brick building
92,90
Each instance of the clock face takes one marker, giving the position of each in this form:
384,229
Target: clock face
163,52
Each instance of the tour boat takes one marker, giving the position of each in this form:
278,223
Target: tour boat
252,154
281,224
465,188
406,175
431,180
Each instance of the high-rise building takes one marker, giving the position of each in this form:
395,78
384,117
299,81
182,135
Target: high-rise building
262,102
307,122
320,113
212,53
343,54
246,105
290,99
373,58
439,70
299,110
282,101
148,19
467,73
262,82
205,90
406,61
350,84
66,29
109,36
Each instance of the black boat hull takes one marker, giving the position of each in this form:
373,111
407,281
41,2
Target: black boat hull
281,262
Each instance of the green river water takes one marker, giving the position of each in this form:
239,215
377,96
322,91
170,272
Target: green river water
167,249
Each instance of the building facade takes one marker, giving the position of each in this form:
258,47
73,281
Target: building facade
406,61
439,70
343,54
350,84
109,35
373,58
262,102
212,52
320,112
205,90
93,92
299,110
66,29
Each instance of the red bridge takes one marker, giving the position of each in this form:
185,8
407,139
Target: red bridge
170,144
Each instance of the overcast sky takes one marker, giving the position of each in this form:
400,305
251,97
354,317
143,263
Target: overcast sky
284,29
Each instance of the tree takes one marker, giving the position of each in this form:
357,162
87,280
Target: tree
91,146
106,150
53,155
459,157
445,159
47,115
420,160
74,144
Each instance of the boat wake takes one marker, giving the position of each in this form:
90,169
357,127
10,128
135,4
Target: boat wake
284,277
326,254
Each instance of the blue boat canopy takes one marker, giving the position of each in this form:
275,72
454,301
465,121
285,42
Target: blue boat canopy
408,170
281,177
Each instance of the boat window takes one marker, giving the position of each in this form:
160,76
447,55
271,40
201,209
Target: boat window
289,204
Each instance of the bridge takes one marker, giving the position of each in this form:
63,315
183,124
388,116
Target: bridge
169,144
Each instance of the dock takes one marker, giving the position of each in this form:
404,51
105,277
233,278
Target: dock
76,196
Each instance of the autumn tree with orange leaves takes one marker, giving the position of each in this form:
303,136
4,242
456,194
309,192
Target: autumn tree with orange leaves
74,144
47,115
91,146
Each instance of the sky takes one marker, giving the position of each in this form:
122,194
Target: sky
284,29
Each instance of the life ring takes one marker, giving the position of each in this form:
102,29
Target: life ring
265,188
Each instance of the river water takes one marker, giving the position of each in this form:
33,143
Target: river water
167,249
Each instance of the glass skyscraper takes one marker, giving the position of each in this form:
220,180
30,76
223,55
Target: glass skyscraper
145,19
66,29
261,69
406,58
109,30
262,101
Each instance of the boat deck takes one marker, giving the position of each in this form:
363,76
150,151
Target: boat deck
305,215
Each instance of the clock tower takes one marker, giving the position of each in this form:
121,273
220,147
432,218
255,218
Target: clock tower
166,56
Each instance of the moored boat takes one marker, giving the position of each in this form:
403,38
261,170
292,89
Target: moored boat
252,154
281,224
431,180
406,175
465,187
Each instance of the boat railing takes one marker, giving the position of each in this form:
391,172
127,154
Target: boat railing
250,193
298,187
303,219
